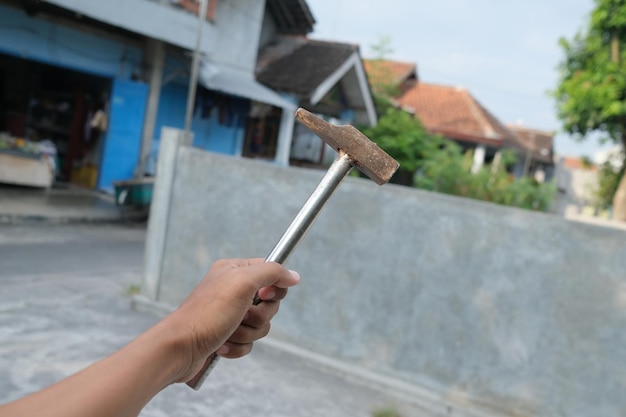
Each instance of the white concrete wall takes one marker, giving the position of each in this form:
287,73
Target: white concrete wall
487,310
575,190
238,24
232,40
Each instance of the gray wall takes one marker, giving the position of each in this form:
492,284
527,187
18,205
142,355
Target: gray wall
488,308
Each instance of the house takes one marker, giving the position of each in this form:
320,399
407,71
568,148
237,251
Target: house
327,78
577,181
455,114
62,61
535,152
390,78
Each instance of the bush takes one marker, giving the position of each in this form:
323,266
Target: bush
449,172
432,163
403,137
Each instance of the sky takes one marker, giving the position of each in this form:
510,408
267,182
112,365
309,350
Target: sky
505,53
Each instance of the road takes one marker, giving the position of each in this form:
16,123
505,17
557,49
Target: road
64,303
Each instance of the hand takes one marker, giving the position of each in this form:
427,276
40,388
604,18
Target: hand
219,316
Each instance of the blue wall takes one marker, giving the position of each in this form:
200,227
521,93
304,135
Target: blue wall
223,136
51,43
123,138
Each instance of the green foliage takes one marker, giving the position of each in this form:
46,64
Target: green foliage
592,85
386,412
609,178
382,48
449,172
441,166
403,137
133,289
591,94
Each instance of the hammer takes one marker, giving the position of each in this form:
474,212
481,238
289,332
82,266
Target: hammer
355,150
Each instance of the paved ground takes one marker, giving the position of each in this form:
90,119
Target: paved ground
65,303
61,204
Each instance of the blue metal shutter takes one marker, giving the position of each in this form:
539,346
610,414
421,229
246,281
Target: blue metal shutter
120,152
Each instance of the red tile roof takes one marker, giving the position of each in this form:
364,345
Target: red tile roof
454,113
538,142
389,73
577,163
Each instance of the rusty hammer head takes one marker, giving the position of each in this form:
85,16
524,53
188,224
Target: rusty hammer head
365,154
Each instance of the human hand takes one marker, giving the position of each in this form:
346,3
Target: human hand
218,315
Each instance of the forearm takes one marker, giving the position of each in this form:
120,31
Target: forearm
119,385
218,312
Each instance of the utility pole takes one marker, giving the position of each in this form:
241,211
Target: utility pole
193,79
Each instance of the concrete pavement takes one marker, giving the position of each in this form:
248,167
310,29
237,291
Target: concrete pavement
65,302
62,204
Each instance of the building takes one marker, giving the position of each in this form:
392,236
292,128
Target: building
535,152
577,181
391,78
63,60
327,78
456,115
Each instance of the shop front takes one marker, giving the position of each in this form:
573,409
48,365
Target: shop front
55,114
69,108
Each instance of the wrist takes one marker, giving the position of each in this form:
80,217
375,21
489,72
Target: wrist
171,350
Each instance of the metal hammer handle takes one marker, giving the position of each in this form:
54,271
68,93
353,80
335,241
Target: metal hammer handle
298,227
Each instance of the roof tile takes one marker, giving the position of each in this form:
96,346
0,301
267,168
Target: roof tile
390,73
454,113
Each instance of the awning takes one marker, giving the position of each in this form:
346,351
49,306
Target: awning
239,83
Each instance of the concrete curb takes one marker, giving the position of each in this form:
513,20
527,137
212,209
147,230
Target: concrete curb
40,219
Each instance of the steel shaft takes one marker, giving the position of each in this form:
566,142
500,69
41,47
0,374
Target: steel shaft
311,208
333,178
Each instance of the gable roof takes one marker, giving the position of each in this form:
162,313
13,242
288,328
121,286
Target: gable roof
309,69
389,73
538,142
454,113
291,16
303,64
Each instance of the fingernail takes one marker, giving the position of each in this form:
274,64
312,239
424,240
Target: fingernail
223,350
269,294
295,275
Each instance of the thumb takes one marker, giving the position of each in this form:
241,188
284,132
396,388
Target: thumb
271,273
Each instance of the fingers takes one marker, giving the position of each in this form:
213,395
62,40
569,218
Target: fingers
240,343
246,334
268,274
272,293
259,315
255,325
234,350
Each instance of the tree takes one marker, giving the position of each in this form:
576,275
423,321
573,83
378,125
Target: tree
592,87
609,177
382,48
404,138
